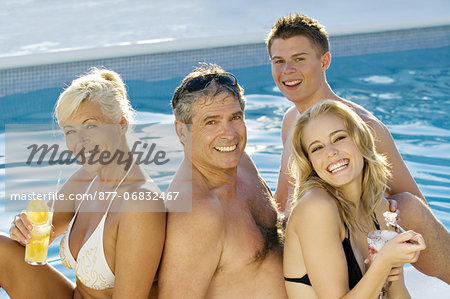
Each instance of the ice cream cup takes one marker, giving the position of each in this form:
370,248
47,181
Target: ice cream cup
376,240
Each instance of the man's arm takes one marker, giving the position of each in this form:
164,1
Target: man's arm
192,251
401,180
415,214
284,178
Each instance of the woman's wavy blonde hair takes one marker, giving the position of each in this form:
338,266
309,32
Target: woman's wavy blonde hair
375,171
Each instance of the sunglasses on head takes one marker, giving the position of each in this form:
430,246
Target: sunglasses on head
199,83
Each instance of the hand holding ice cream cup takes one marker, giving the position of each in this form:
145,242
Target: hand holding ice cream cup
405,247
396,249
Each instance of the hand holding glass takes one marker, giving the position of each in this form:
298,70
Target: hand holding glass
41,217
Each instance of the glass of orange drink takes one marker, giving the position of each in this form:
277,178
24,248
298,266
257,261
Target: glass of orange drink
41,216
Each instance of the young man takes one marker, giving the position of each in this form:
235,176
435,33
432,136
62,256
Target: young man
227,246
298,47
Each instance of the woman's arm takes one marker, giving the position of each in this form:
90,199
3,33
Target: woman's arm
140,241
319,230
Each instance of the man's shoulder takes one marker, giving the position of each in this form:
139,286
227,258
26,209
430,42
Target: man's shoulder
205,220
247,167
365,114
378,128
205,203
290,115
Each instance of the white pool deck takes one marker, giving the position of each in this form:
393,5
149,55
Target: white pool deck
49,31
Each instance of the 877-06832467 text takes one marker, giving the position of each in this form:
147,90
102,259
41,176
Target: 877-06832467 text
140,195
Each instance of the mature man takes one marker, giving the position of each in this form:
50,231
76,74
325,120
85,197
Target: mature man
227,246
298,47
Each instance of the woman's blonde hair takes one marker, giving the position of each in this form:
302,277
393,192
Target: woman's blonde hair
102,86
375,171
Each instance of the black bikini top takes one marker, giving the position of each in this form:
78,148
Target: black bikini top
354,272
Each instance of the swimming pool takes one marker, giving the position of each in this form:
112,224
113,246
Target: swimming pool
407,90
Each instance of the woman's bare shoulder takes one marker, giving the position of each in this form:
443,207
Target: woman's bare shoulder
318,205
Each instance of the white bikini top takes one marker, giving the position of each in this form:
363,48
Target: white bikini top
90,267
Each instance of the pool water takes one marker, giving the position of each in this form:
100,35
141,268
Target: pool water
408,91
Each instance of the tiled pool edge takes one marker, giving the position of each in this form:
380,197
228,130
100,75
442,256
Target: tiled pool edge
390,41
170,64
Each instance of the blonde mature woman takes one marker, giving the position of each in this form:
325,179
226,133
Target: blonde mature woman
340,181
114,246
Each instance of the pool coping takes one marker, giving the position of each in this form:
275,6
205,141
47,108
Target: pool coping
151,47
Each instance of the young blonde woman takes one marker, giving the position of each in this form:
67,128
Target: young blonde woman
114,246
340,181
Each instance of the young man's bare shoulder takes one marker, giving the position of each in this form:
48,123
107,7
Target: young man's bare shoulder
291,114
379,129
365,114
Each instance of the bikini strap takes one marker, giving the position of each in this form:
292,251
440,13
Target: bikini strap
118,185
347,231
375,221
85,192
